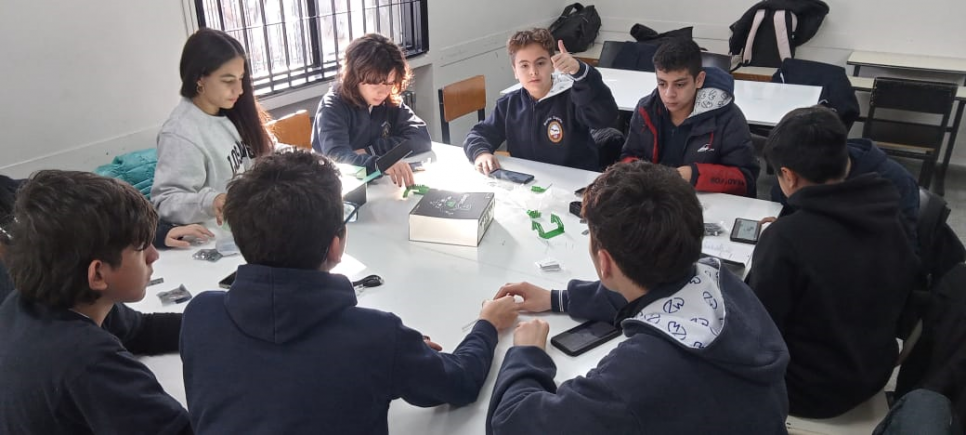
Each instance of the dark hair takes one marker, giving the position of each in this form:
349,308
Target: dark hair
810,141
64,220
677,54
285,211
206,51
523,38
369,59
649,220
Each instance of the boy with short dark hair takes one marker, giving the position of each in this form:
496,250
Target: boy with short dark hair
691,123
78,246
836,273
701,355
290,330
549,119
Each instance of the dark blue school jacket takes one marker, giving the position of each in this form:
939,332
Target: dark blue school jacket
555,129
341,128
701,356
288,351
60,373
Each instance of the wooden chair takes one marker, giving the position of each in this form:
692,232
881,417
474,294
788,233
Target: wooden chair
900,138
461,98
293,129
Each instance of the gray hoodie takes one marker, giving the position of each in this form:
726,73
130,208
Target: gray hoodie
197,155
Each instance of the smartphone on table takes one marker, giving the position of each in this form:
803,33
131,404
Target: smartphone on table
512,176
584,337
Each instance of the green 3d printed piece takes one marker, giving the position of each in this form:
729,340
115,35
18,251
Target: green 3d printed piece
538,189
552,233
533,214
417,189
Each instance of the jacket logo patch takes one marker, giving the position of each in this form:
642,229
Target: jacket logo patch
555,131
386,129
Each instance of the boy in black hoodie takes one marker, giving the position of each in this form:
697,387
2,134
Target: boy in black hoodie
834,274
291,330
550,117
79,245
690,122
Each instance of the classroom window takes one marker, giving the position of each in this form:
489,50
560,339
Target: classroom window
292,43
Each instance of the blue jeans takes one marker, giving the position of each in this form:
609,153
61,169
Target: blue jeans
920,412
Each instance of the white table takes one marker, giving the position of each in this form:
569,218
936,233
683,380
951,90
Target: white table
437,289
762,103
914,62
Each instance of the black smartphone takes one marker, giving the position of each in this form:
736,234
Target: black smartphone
226,283
512,176
416,166
584,337
745,231
385,161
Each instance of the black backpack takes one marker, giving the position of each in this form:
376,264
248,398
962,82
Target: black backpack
577,27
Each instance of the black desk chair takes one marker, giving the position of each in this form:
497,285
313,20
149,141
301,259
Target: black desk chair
900,138
722,61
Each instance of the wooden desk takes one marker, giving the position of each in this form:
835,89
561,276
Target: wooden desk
437,289
591,55
762,103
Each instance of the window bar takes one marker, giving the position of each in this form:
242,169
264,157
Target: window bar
314,22
200,12
244,28
268,47
365,14
391,35
301,25
335,32
378,16
221,14
348,15
288,59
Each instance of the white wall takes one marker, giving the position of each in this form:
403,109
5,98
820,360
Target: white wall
83,81
98,76
926,27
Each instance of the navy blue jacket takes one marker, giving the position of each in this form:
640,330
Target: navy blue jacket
318,363
718,149
62,374
341,128
701,356
835,276
867,158
555,129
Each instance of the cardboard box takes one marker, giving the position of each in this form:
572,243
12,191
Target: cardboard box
454,218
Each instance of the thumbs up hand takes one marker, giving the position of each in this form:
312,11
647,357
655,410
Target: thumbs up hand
563,61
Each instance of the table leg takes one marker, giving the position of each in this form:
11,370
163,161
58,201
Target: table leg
855,70
941,175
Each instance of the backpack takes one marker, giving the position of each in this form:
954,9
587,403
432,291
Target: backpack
577,27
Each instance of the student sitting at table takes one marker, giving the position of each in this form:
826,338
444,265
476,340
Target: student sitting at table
79,246
701,354
836,273
864,158
691,122
291,331
214,132
549,119
363,115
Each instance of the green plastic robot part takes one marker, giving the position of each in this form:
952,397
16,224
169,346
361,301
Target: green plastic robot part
552,233
418,189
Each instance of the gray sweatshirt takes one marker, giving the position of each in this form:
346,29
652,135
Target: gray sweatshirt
197,155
